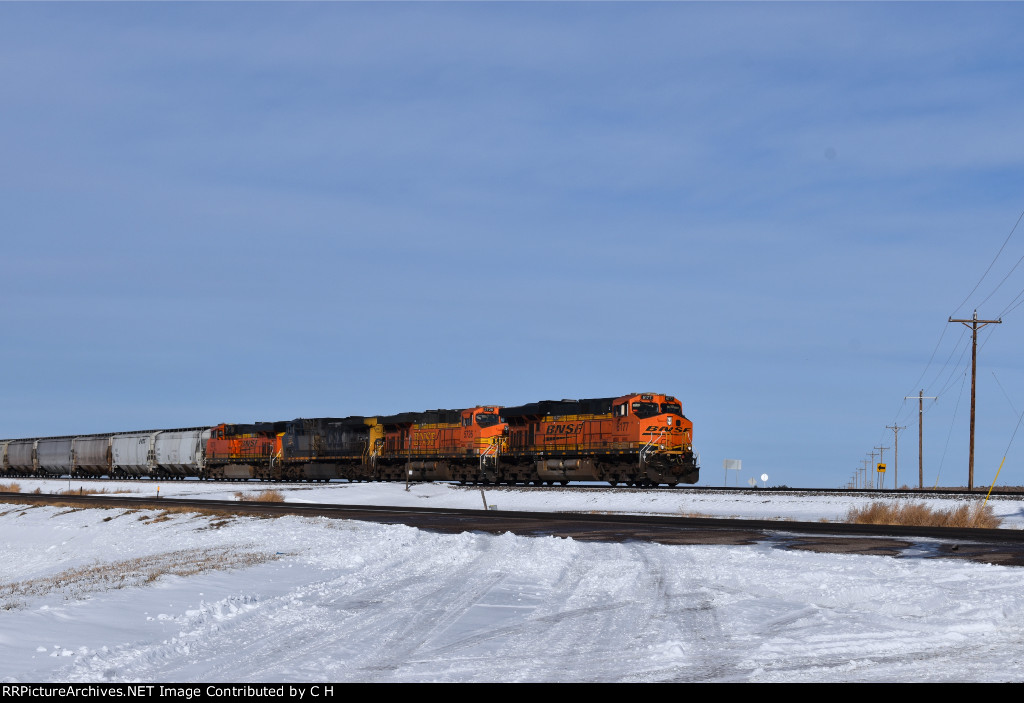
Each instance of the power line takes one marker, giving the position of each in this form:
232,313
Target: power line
952,422
963,333
994,259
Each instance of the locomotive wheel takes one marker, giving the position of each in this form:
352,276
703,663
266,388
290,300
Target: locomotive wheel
613,483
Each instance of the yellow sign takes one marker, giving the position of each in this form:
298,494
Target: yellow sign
881,468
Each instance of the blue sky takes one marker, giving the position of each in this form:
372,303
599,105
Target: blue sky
236,212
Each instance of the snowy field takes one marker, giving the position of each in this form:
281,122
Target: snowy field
112,595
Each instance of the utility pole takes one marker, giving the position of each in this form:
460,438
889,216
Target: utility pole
975,324
872,455
920,433
896,461
881,460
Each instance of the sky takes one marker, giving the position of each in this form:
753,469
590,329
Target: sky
258,211
203,599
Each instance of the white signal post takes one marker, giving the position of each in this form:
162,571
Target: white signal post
732,465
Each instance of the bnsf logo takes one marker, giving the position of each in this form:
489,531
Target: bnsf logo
424,436
565,429
654,429
250,443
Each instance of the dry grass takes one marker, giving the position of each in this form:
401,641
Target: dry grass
268,496
10,487
79,583
920,515
82,491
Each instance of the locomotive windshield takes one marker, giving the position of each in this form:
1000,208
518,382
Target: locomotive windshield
645,410
672,409
486,419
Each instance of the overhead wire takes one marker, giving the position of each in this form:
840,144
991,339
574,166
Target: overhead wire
949,434
1017,301
952,375
1014,268
1020,419
994,259
903,412
1007,395
932,357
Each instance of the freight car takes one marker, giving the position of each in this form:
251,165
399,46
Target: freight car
636,439
157,453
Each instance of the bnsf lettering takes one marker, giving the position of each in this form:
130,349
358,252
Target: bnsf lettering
250,443
654,429
565,429
424,436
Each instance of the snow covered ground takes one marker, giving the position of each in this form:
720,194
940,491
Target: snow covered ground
114,595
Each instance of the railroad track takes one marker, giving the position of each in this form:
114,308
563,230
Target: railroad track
994,546
1007,492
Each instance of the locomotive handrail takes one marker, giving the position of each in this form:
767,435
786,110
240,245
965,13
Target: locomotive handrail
492,449
648,448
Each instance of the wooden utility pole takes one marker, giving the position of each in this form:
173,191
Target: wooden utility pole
872,455
896,461
920,433
881,460
975,324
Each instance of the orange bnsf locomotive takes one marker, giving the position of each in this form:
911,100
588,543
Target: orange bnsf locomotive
636,439
640,439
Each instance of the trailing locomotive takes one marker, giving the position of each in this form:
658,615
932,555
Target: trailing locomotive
637,439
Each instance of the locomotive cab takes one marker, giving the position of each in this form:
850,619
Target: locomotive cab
482,428
662,425
245,451
663,433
